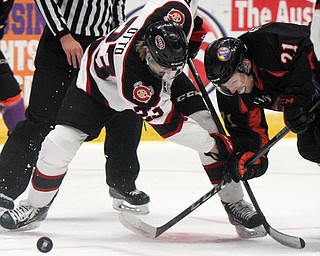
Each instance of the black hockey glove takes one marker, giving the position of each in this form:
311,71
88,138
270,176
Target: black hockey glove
296,115
238,169
216,172
224,148
197,36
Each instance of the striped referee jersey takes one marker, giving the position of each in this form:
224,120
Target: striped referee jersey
82,17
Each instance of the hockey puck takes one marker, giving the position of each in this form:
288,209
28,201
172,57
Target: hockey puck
44,244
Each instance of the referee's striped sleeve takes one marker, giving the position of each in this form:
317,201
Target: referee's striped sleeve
52,14
82,17
119,15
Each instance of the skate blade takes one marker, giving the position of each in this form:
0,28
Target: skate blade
27,227
123,206
256,232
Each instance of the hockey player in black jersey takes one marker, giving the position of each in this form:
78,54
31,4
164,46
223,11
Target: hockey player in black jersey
138,66
266,68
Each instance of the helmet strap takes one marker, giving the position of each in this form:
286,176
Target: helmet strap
243,69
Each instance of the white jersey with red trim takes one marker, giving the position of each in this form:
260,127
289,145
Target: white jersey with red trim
112,67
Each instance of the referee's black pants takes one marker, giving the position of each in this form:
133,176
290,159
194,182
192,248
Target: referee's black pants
51,80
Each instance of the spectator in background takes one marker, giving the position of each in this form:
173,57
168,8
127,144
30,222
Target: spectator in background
11,101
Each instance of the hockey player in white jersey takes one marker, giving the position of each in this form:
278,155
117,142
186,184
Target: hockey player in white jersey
138,66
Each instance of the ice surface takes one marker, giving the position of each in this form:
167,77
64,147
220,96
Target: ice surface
82,222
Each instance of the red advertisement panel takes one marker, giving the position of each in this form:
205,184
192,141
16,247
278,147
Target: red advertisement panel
246,14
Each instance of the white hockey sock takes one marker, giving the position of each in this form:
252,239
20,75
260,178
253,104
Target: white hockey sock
233,192
57,151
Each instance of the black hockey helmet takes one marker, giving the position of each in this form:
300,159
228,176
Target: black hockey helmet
222,58
167,43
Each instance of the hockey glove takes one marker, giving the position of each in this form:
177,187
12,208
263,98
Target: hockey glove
238,169
296,115
216,172
197,36
223,147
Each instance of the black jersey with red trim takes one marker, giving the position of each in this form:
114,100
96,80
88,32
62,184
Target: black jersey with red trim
280,56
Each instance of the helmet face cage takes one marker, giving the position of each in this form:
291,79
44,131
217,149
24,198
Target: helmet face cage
161,72
167,43
222,58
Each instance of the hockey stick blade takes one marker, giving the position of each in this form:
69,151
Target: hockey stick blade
138,226
284,239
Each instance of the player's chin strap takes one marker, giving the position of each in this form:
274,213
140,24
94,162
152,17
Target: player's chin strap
287,240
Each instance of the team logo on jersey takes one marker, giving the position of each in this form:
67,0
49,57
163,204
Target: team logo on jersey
176,16
262,99
142,93
159,42
223,54
166,88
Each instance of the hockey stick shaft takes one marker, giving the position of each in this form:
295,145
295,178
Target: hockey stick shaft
136,225
285,130
287,240
192,207
293,241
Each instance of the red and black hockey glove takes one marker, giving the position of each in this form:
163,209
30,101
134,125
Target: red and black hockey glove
238,169
216,172
197,36
296,115
224,147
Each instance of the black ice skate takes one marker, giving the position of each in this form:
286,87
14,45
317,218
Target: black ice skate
24,217
6,202
247,222
134,201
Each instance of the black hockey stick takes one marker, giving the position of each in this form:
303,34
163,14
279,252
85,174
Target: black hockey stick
140,227
284,239
133,223
287,240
